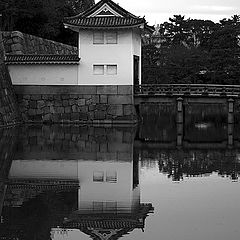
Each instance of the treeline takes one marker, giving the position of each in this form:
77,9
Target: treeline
193,51
43,18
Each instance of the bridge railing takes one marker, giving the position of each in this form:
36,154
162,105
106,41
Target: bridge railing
187,89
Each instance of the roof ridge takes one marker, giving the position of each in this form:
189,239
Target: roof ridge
111,3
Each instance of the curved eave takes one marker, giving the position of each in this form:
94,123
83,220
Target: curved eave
79,27
41,63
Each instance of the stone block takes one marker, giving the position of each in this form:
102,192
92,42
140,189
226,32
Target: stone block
57,97
58,103
95,99
81,102
74,116
27,97
52,110
125,89
65,96
89,101
31,112
47,117
92,107
99,115
68,109
91,115
108,89
65,103
101,107
73,96
86,90
66,116
120,99
83,116
72,102
36,97
115,110
33,104
103,99
40,104
37,118
39,111
56,117
59,109
46,110
83,109
74,108
128,109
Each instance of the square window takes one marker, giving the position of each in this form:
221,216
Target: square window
98,69
111,176
112,69
98,176
111,37
98,38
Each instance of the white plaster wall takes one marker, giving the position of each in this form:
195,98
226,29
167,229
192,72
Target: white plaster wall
43,74
51,169
120,54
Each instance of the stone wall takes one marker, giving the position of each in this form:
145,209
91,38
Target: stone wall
8,104
76,104
21,43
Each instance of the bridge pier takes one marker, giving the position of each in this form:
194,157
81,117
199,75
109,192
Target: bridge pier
180,120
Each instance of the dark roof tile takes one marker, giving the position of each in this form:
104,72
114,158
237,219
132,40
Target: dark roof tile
105,22
42,59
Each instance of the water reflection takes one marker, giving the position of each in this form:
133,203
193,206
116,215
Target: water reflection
181,164
70,182
67,178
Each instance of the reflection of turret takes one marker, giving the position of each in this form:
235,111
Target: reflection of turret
109,225
91,183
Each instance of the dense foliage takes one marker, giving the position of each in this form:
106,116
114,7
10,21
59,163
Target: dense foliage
41,17
180,51
193,51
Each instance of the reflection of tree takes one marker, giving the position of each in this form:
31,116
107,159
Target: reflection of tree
179,164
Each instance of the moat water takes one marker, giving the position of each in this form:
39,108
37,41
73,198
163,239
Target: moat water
157,180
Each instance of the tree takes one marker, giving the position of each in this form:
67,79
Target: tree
43,18
194,51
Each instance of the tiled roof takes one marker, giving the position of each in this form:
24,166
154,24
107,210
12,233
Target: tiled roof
112,4
42,59
122,18
105,22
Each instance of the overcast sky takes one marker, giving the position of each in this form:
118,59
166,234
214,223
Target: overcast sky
158,11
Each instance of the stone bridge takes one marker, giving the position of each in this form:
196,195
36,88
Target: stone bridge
187,99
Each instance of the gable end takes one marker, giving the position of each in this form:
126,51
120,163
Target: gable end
104,11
